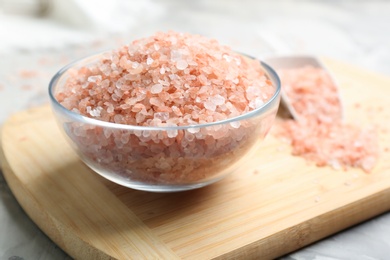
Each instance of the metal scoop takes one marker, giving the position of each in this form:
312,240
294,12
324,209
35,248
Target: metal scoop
294,62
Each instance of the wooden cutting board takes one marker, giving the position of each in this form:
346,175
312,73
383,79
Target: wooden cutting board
273,205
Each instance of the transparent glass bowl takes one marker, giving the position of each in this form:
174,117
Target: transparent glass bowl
146,158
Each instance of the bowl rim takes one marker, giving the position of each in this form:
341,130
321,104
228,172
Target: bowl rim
269,71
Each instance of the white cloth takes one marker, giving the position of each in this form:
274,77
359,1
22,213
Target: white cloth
70,22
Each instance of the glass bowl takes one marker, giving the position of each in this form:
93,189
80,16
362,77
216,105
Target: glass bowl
163,159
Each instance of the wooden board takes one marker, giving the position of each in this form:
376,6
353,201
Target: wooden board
273,205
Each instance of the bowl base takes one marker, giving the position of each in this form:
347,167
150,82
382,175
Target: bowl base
154,187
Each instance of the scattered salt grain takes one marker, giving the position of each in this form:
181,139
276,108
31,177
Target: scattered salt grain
320,134
28,73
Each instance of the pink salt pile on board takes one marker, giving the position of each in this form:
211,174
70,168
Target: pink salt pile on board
320,134
168,80
28,73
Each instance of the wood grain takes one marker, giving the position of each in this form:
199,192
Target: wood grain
273,205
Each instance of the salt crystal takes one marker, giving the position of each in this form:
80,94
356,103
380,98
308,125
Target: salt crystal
154,122
107,132
252,90
140,96
157,88
227,58
258,102
189,136
177,111
85,85
335,164
138,107
172,76
162,71
202,79
192,63
173,40
110,108
156,102
149,61
118,119
137,70
176,55
80,131
145,133
115,97
119,93
137,133
181,65
139,117
105,83
172,133
238,61
132,77
206,70
119,83
209,105
164,83
218,100
107,56
163,166
163,116
125,137
235,124
105,68
96,112
94,79
193,130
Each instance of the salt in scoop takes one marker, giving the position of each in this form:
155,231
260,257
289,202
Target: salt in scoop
283,63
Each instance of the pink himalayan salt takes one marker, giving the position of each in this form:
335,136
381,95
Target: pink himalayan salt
168,79
320,135
188,72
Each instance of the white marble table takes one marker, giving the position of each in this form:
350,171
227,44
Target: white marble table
32,50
